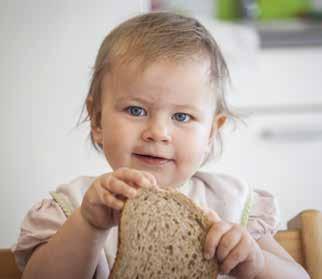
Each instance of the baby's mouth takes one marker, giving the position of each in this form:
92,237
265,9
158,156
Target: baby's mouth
151,160
150,156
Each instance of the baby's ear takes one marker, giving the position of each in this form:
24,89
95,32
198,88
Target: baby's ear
219,121
97,134
95,120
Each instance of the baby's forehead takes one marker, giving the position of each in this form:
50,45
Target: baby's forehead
139,67
162,83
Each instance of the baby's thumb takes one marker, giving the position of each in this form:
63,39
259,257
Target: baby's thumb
212,215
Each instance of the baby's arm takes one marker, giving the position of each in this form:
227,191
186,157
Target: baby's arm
278,262
74,251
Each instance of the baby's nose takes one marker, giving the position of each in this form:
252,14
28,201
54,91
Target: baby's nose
158,131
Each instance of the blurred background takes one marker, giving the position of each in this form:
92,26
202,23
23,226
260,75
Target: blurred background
273,49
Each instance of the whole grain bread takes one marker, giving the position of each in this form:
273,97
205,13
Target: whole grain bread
162,235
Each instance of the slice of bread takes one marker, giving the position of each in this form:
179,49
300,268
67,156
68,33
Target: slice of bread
162,235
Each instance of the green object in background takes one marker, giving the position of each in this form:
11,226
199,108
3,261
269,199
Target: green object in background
268,9
280,9
228,9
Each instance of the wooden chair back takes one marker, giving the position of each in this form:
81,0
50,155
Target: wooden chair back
303,241
8,267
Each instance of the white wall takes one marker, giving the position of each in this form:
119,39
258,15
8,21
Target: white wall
280,148
47,50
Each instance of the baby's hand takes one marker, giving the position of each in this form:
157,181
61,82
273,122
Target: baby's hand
237,253
106,196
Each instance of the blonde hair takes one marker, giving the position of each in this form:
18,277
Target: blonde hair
151,37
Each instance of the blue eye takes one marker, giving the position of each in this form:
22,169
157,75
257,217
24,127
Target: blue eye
135,111
182,117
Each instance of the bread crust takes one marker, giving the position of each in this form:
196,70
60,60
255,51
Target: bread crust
170,193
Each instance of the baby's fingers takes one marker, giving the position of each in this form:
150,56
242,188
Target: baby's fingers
111,201
228,242
213,237
133,177
151,178
236,256
115,186
212,215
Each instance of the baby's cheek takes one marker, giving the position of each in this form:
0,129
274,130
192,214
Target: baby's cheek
191,157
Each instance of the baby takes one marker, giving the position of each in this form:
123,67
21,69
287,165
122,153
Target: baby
156,104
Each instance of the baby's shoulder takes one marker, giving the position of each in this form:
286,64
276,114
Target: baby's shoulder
45,217
223,184
239,202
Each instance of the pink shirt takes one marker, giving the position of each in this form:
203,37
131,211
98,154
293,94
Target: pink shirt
231,198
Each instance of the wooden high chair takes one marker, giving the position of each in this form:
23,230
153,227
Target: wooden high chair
302,240
8,267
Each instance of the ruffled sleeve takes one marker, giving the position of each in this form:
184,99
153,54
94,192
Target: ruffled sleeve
41,222
264,215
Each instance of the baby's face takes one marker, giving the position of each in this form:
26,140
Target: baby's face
159,120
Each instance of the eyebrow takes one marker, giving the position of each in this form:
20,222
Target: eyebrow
146,102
